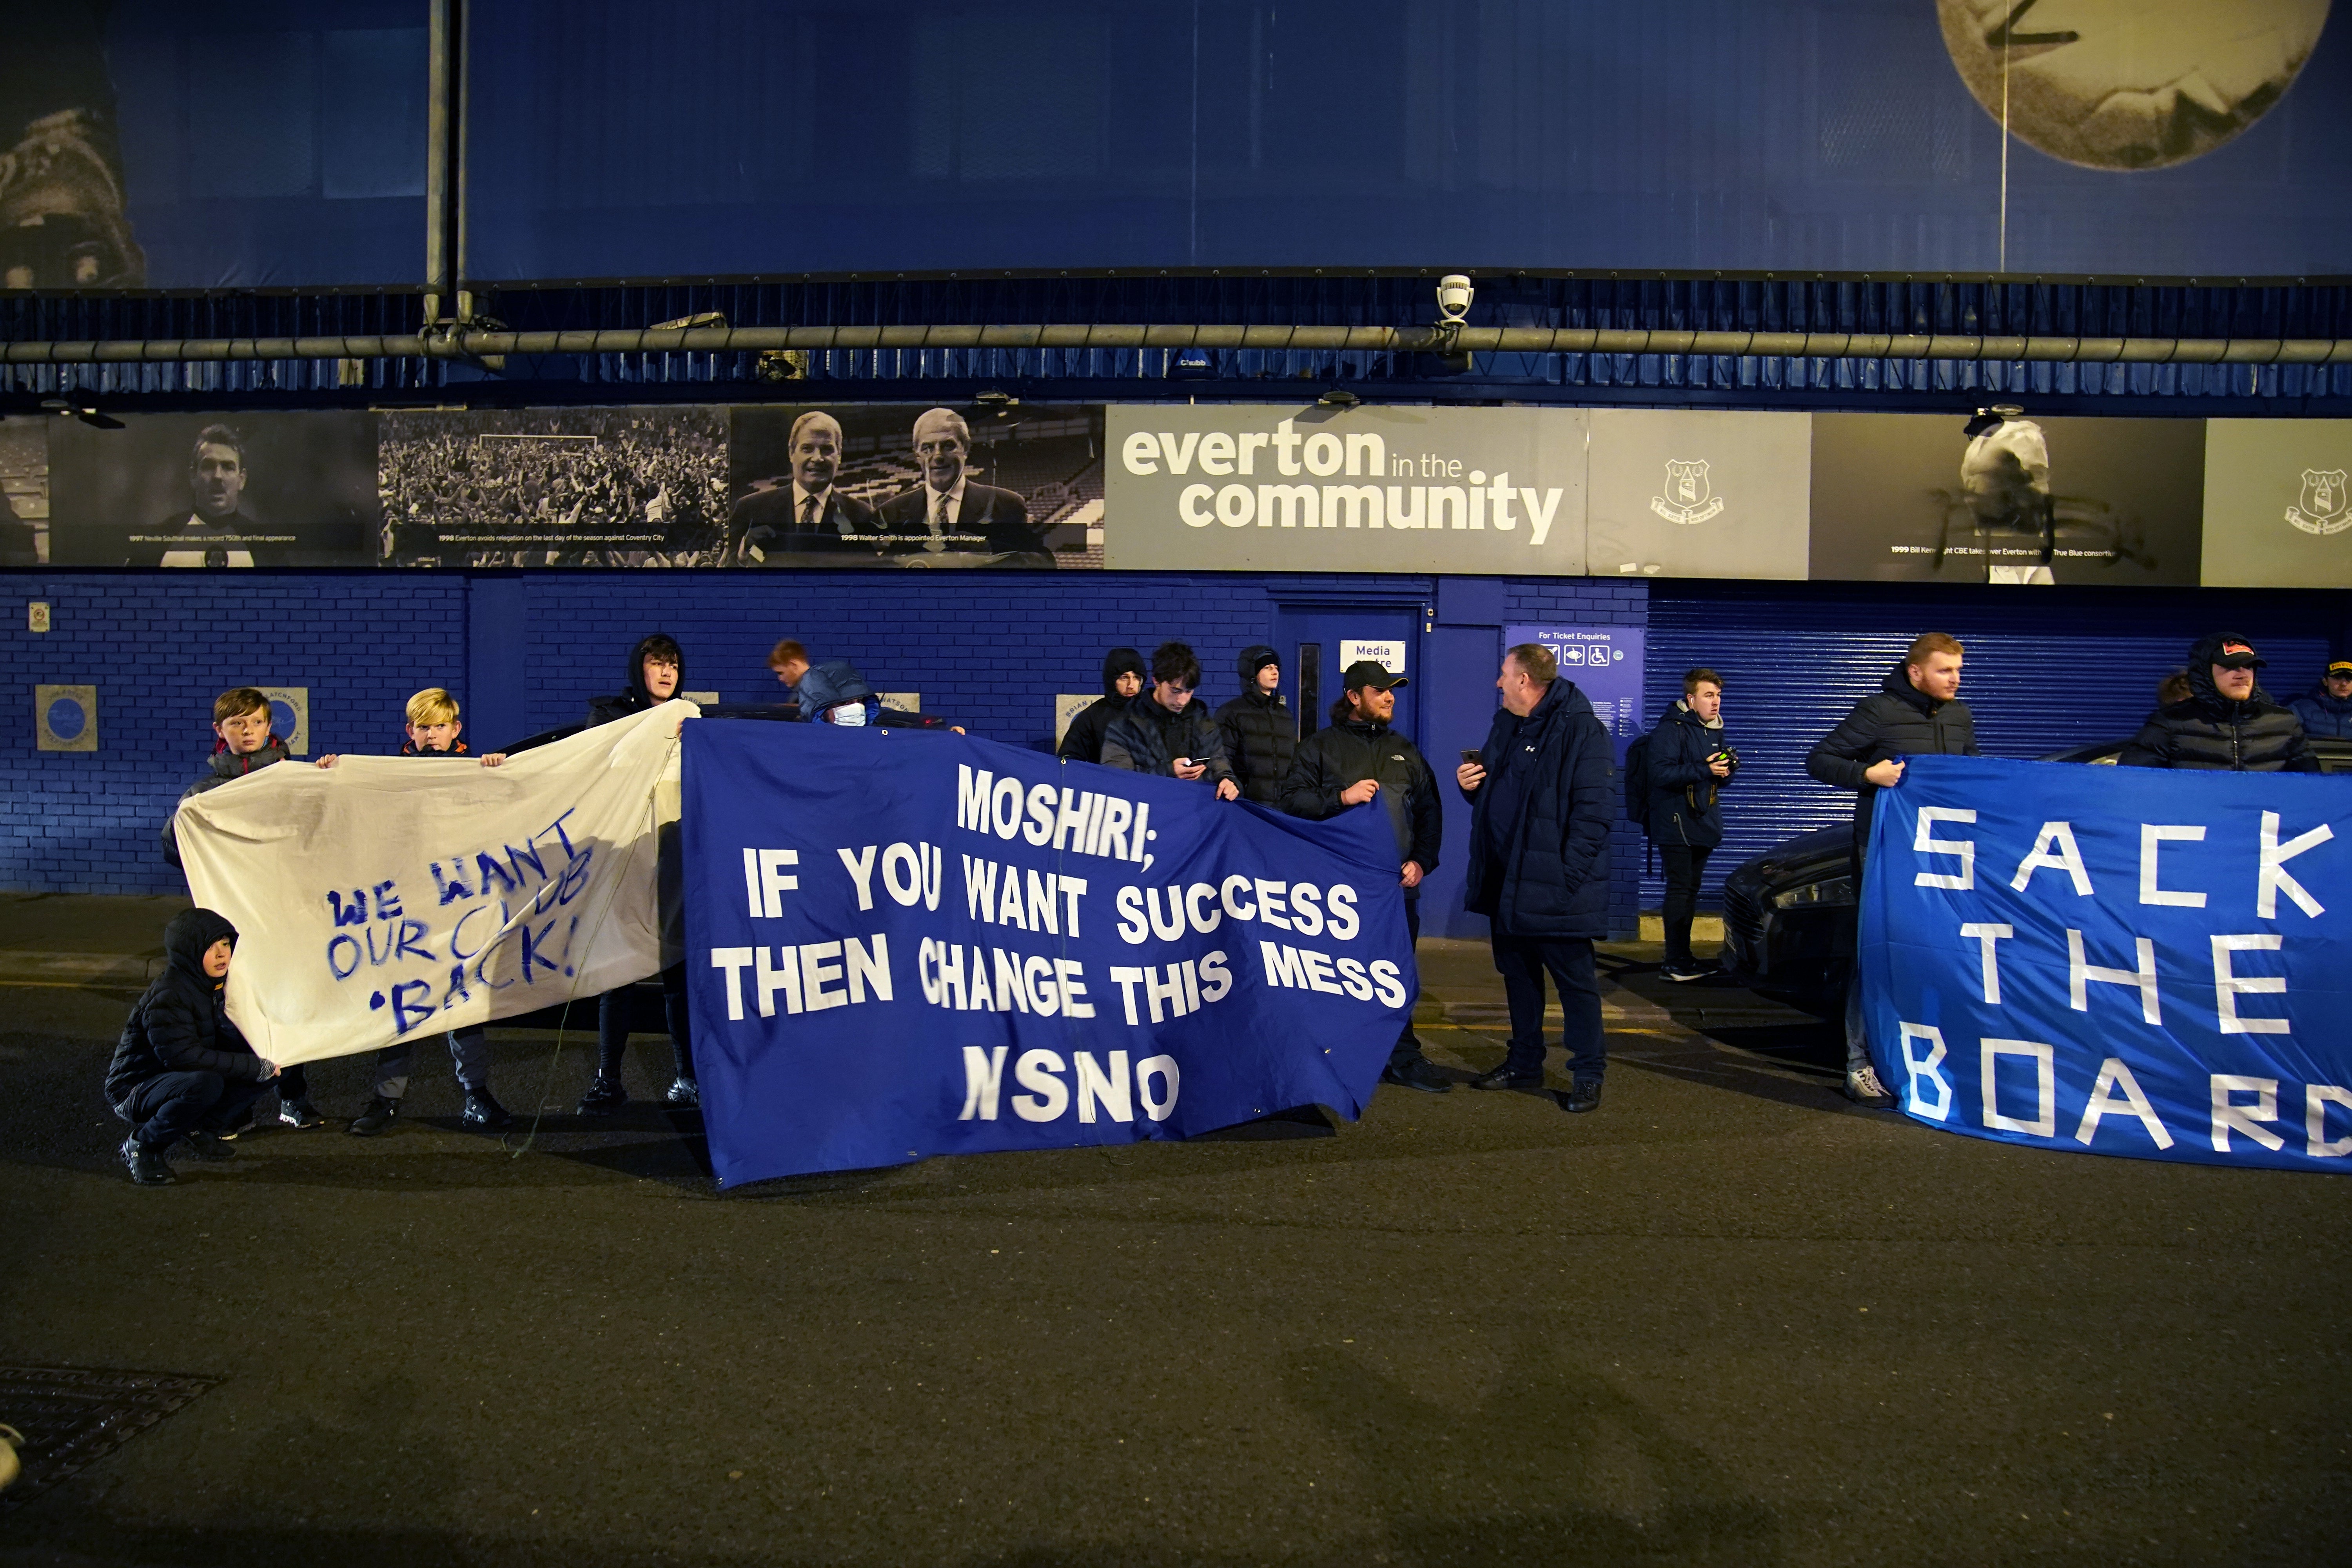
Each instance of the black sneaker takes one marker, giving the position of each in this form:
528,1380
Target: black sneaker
486,1113
145,1165
604,1097
1585,1096
1508,1077
684,1091
1419,1073
209,1147
379,1115
300,1112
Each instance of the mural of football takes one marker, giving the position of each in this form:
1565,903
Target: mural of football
2130,84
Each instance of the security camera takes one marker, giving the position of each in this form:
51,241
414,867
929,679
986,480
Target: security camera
1454,295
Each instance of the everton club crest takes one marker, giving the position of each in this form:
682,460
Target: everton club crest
1689,498
2324,507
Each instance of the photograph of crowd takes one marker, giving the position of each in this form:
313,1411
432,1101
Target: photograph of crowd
898,486
214,490
583,487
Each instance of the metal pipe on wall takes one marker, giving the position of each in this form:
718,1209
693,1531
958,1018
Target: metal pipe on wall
464,344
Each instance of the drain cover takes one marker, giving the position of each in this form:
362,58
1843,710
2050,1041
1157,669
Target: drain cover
71,1416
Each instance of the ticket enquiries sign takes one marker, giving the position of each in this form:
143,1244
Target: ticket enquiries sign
2115,961
1262,487
903,944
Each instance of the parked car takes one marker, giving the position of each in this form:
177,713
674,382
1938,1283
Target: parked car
1788,913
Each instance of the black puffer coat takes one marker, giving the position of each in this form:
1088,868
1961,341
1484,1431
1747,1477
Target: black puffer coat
224,766
1897,721
1333,759
1544,872
1148,739
1261,733
1686,805
181,1025
632,697
2215,733
1082,741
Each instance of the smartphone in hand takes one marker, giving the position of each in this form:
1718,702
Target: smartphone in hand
1468,755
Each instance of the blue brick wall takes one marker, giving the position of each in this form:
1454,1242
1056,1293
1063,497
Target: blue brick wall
988,650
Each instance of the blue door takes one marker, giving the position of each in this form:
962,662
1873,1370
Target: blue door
1318,642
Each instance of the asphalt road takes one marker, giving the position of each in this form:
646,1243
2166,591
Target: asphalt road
1726,1319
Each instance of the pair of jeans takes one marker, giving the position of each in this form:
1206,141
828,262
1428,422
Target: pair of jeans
1407,1049
1684,865
170,1106
613,1026
1523,961
469,1050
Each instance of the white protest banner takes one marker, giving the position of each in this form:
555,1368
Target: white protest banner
395,896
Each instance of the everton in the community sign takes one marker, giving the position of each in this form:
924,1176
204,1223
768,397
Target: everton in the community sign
908,943
2117,961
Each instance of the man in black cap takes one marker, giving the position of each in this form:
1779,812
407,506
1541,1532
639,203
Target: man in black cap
1359,758
2326,709
1260,732
2228,724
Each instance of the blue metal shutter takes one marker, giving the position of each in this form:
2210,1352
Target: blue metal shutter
2046,669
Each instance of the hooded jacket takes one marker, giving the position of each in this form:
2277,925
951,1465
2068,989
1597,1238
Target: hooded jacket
1343,753
1539,825
181,1024
2212,733
830,684
1082,740
1145,738
633,697
2323,716
1685,804
1261,733
1896,720
222,767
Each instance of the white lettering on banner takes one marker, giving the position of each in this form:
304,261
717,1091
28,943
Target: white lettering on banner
1166,913
2228,1115
2316,1098
802,974
1926,1069
2274,876
2044,1123
2080,973
957,977
766,880
1986,936
734,960
2054,847
1303,969
1101,1091
1049,893
2105,1101
1965,848
2151,834
2228,986
861,871
1075,821
1186,986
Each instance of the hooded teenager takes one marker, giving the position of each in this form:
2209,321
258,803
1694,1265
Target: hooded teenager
1122,682
1260,731
180,1070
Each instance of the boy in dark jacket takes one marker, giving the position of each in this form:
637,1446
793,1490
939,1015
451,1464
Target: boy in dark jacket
2326,709
1540,818
244,744
181,1068
1690,762
1359,758
2229,723
1916,713
1170,731
656,667
433,730
1260,731
1122,684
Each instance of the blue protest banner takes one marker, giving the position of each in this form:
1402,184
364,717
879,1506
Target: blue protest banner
903,944
2115,960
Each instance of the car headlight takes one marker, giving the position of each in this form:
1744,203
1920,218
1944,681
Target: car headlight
1835,891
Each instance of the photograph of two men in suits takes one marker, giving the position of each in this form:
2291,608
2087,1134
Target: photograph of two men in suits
859,488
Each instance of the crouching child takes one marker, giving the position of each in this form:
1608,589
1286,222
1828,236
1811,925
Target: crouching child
433,731
182,1071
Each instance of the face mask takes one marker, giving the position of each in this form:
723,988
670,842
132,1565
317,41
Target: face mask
850,713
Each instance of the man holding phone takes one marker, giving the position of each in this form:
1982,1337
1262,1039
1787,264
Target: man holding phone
1168,731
